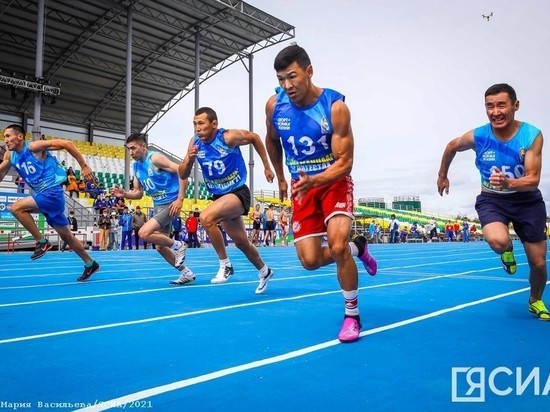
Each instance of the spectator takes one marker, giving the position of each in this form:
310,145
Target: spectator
270,226
192,226
111,200
394,229
92,189
177,224
119,206
100,189
449,231
414,231
125,222
138,222
113,232
263,241
104,224
456,229
72,184
130,207
284,221
81,186
403,235
465,231
433,229
372,231
43,137
378,233
473,231
100,204
256,217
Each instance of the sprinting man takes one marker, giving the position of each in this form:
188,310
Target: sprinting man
45,175
224,170
509,159
313,127
157,176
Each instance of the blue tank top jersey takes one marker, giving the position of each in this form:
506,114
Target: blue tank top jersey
508,156
306,132
161,185
223,168
40,175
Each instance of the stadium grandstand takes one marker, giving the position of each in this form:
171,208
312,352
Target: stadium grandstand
95,72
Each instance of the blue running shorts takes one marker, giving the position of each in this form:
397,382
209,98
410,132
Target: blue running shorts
51,203
526,211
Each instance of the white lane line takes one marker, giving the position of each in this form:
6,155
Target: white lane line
203,311
148,393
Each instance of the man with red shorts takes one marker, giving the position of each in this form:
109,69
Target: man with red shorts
312,124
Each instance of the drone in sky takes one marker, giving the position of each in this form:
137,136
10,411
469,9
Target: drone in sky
487,16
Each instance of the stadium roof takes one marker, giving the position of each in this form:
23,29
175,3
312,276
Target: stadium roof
85,52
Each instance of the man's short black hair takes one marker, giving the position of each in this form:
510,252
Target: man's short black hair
137,137
502,88
211,115
18,128
289,55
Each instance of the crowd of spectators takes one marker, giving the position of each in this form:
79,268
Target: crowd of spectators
401,233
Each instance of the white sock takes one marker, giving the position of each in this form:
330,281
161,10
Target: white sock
351,308
185,271
176,245
224,263
264,271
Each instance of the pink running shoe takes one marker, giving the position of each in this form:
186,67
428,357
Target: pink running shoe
350,330
364,256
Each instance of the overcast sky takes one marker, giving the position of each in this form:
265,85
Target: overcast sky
414,73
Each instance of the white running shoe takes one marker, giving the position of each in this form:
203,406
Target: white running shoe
180,255
223,274
262,286
186,276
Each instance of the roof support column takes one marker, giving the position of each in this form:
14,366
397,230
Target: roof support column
36,130
197,105
251,124
128,125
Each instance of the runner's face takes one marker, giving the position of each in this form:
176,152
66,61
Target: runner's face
500,110
204,128
295,81
12,139
137,150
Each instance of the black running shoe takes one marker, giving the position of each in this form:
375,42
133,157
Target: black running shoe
89,272
41,249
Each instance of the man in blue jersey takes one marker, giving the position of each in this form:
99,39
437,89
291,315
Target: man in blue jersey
312,126
45,175
157,176
224,171
509,159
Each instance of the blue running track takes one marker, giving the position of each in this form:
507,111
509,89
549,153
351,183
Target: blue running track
444,329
